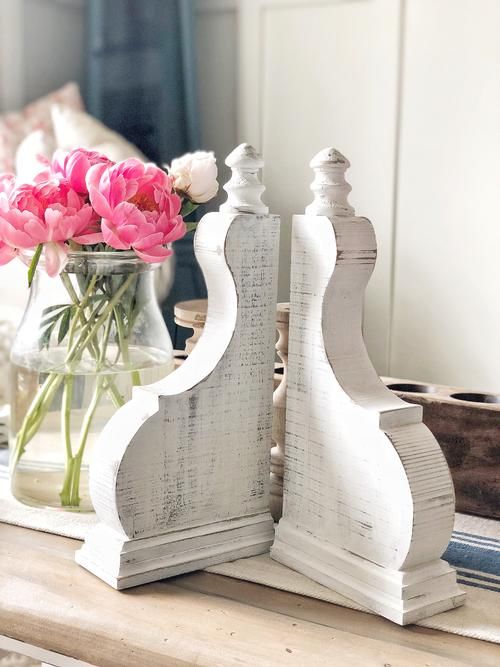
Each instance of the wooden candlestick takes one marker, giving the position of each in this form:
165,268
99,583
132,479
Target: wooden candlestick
180,475
368,499
191,315
279,412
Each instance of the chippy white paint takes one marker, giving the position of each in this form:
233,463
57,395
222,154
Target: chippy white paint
368,498
180,478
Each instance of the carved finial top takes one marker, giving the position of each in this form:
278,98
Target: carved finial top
245,156
329,186
244,189
330,156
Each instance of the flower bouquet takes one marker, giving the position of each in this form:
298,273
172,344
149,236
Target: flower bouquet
91,232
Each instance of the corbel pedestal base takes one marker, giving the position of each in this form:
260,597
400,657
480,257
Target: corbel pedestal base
403,596
122,562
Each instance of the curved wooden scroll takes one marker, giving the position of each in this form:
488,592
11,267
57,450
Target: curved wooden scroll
368,497
181,475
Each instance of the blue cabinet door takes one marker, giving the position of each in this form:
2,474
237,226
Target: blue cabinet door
141,82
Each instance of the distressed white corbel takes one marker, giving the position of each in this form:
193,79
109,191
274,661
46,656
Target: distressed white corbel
368,499
180,478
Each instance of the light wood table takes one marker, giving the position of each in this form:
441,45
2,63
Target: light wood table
53,610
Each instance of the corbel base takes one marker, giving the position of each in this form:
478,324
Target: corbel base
123,562
402,596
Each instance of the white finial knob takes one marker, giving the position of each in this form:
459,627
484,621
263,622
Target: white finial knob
329,186
244,190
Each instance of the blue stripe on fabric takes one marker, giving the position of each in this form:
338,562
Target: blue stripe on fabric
472,536
475,543
473,558
480,577
477,585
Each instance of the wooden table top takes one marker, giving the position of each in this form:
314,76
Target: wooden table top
198,619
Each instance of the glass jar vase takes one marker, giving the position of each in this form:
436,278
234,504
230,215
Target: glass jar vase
86,338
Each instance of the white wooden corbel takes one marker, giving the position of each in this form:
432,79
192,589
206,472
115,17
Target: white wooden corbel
180,476
368,498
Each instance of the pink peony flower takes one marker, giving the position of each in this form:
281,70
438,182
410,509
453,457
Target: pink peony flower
50,213
139,210
7,253
73,167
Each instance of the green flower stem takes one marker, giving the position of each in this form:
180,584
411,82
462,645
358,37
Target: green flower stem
94,350
79,303
123,341
38,415
115,395
36,412
87,420
67,398
34,263
84,434
70,493
90,330
111,387
104,343
74,498
65,493
86,338
42,401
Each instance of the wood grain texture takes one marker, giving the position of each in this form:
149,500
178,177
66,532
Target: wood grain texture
200,619
180,479
192,314
467,426
368,498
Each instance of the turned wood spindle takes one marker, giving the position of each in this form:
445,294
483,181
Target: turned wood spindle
279,414
244,189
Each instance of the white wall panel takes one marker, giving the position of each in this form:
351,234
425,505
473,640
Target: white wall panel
11,55
315,74
217,58
54,45
446,325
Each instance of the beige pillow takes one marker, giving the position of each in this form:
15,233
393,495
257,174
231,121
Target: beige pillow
77,129
16,125
38,143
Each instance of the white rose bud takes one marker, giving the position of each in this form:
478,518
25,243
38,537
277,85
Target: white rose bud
195,174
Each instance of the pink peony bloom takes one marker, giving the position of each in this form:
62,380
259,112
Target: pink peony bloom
50,213
72,167
138,207
7,253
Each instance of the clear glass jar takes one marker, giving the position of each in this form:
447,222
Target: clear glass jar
86,338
